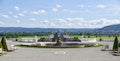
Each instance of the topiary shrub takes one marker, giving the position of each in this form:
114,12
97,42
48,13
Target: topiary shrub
4,44
0,45
115,45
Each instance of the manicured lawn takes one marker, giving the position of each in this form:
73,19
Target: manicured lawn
72,36
75,36
103,37
33,36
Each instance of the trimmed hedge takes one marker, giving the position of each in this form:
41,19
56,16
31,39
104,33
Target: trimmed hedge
72,46
116,44
47,46
0,45
4,44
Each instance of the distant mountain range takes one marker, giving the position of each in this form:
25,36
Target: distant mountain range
20,29
112,28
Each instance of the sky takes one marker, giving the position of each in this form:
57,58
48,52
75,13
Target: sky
59,13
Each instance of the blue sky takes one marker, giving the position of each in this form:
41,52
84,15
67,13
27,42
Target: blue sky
59,13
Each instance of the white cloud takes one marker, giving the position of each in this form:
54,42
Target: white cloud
5,16
70,24
72,11
75,19
25,11
59,23
100,6
15,16
20,14
48,25
58,6
102,22
54,9
18,21
39,12
32,19
115,8
79,19
79,23
34,12
16,8
61,20
45,21
86,10
52,24
69,19
1,23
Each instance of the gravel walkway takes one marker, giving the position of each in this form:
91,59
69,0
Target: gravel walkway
50,54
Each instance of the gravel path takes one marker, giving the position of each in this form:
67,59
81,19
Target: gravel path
50,54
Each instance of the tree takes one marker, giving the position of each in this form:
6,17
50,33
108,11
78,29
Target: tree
0,45
88,36
4,44
115,45
17,35
100,39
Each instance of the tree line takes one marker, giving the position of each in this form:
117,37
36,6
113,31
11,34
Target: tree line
87,34
18,34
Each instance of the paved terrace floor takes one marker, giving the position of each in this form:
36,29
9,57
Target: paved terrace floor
69,54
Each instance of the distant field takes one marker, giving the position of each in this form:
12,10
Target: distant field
33,36
103,37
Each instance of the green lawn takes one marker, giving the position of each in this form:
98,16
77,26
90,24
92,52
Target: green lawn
33,36
103,37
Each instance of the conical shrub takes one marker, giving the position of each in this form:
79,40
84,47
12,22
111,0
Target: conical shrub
0,45
115,45
4,44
